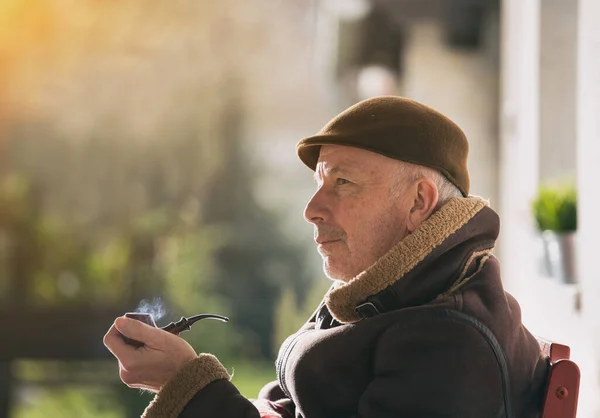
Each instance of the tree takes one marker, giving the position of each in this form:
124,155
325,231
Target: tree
257,261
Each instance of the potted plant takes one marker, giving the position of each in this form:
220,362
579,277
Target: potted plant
555,211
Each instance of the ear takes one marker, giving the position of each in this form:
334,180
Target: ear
424,203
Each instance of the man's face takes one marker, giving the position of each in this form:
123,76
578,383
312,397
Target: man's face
356,216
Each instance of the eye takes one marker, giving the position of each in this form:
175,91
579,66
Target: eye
341,181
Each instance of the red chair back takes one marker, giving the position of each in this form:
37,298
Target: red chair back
562,390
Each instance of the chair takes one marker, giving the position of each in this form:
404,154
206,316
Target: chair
562,390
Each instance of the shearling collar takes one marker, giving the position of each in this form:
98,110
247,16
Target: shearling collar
451,236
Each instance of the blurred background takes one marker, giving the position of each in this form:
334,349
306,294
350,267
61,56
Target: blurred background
147,163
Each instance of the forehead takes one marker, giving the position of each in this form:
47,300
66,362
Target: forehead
339,157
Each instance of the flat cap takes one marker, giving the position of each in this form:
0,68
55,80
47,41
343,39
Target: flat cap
398,128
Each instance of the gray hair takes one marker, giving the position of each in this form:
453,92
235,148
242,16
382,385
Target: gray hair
408,172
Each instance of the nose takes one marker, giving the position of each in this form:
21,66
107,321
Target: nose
317,209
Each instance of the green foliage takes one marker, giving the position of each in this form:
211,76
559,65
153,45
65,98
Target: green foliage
555,208
69,402
184,261
120,402
163,226
257,261
14,193
291,315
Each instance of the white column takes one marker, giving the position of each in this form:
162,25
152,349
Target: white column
519,143
558,91
588,156
588,178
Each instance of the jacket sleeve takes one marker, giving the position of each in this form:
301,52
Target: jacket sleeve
271,391
202,388
433,368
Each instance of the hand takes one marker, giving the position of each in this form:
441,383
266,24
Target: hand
151,366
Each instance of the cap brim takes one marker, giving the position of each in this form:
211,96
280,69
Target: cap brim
308,149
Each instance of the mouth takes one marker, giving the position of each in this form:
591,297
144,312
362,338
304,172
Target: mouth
323,243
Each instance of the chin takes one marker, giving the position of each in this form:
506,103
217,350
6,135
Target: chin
336,274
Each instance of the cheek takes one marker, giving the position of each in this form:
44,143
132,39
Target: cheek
375,230
350,216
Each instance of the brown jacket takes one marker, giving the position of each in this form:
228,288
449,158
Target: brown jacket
427,331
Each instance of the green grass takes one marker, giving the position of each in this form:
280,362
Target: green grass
69,402
101,402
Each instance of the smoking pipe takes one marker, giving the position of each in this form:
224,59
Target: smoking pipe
176,328
185,324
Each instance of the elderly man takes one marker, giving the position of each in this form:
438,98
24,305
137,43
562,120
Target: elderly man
416,323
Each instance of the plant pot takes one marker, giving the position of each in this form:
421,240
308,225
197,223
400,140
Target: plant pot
560,256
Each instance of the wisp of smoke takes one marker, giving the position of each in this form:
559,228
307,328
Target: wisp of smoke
154,307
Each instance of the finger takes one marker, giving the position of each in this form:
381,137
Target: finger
113,340
137,330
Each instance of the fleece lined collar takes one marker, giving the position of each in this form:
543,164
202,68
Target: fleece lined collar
343,297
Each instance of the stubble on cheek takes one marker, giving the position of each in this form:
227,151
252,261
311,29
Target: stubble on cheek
377,238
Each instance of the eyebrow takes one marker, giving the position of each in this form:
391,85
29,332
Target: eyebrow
329,171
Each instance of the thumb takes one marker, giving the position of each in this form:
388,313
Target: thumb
135,329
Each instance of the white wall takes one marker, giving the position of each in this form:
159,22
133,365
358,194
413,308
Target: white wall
464,86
